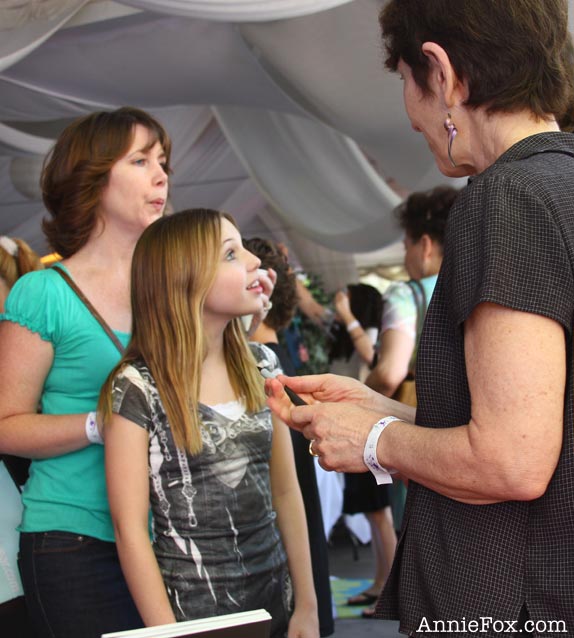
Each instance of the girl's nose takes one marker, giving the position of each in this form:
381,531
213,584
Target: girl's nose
254,261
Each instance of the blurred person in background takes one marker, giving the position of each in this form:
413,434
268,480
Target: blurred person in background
353,353
16,259
283,306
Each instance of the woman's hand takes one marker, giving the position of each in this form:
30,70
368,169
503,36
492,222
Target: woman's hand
324,388
339,433
338,418
267,279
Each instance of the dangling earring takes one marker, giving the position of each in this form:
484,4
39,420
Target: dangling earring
452,131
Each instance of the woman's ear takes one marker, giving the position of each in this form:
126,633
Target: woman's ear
443,79
427,246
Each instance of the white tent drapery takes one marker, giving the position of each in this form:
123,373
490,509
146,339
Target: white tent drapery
236,10
328,191
300,98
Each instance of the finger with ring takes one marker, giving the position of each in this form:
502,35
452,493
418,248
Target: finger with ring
311,451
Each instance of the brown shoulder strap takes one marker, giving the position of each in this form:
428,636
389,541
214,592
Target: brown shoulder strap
97,316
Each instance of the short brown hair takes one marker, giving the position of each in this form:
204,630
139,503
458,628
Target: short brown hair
511,52
284,295
77,169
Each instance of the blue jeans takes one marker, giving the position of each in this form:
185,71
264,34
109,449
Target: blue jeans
74,586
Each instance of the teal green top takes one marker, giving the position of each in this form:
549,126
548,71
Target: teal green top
66,492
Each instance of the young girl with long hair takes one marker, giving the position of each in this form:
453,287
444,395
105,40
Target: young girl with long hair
188,432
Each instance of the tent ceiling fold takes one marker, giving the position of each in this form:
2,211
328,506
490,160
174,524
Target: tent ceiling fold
297,85
24,26
236,10
149,61
316,179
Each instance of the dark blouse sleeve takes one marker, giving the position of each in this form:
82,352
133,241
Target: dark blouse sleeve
130,397
507,249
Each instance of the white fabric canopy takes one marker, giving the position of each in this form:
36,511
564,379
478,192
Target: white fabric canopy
24,26
308,129
350,202
11,137
335,72
236,10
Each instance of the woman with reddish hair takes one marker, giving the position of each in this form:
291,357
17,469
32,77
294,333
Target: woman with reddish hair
104,182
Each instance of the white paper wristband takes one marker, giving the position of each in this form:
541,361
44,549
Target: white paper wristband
381,474
353,324
92,431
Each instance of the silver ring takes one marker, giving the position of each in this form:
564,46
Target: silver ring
311,452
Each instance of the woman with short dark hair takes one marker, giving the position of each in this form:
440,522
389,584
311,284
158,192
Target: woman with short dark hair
489,454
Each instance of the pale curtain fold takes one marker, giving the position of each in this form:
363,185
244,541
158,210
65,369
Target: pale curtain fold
316,179
25,25
12,138
236,10
332,64
298,88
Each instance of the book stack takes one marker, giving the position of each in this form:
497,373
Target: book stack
247,624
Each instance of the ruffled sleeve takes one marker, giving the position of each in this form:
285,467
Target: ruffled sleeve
35,302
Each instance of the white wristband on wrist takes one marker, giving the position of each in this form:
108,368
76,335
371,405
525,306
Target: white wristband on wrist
353,324
92,432
381,474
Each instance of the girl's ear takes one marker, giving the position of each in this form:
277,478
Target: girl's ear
443,79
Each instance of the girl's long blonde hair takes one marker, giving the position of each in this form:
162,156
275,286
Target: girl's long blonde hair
174,265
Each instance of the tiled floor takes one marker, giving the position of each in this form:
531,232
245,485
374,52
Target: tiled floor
346,563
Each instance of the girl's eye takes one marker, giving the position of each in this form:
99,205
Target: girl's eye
230,255
140,162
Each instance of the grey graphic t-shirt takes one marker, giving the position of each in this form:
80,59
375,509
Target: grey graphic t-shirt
214,529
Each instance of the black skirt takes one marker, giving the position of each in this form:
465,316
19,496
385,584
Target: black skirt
362,494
